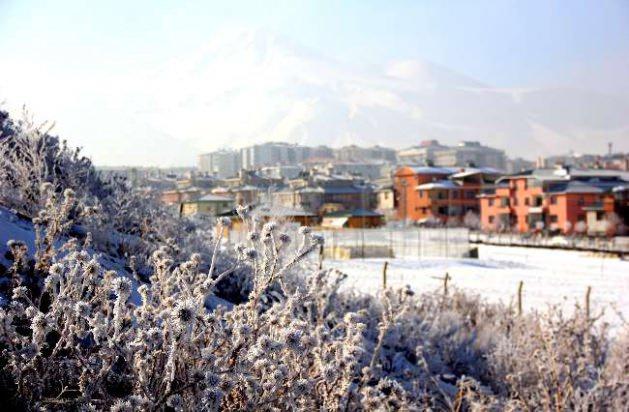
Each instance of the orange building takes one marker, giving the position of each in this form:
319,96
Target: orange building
171,197
557,200
439,194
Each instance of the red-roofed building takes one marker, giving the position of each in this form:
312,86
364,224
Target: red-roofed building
559,200
439,194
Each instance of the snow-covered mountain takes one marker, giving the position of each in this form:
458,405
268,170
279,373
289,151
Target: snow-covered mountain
246,86
250,86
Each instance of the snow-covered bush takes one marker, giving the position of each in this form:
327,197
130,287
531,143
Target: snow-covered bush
123,222
72,338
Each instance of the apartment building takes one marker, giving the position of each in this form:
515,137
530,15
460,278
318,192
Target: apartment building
221,163
281,171
354,153
370,170
470,153
464,154
440,194
273,153
556,200
321,193
420,155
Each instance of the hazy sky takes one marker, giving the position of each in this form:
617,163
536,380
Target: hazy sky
61,57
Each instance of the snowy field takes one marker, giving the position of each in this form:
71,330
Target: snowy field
550,277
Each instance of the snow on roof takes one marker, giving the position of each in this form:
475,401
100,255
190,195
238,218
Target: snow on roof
215,198
577,186
434,170
280,211
470,171
245,188
440,184
310,189
568,174
580,187
353,213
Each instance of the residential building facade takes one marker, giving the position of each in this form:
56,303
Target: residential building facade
221,163
272,154
211,204
470,153
558,200
354,153
440,195
423,154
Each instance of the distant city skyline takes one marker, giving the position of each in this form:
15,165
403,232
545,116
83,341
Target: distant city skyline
157,83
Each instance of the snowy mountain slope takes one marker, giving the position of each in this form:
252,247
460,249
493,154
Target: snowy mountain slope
250,86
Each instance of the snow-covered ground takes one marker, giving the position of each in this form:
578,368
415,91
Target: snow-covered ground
550,277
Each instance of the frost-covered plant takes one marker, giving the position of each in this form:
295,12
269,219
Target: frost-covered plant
82,341
38,169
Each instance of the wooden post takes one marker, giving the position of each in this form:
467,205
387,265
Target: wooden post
384,275
520,286
321,257
587,303
446,279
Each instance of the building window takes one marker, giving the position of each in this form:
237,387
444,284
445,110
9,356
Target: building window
581,201
491,220
491,202
526,201
471,194
553,219
515,201
421,193
553,200
455,194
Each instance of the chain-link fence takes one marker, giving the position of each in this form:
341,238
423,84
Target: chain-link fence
401,242
390,242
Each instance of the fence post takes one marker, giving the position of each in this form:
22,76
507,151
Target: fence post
419,243
520,286
446,279
320,257
587,303
384,275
